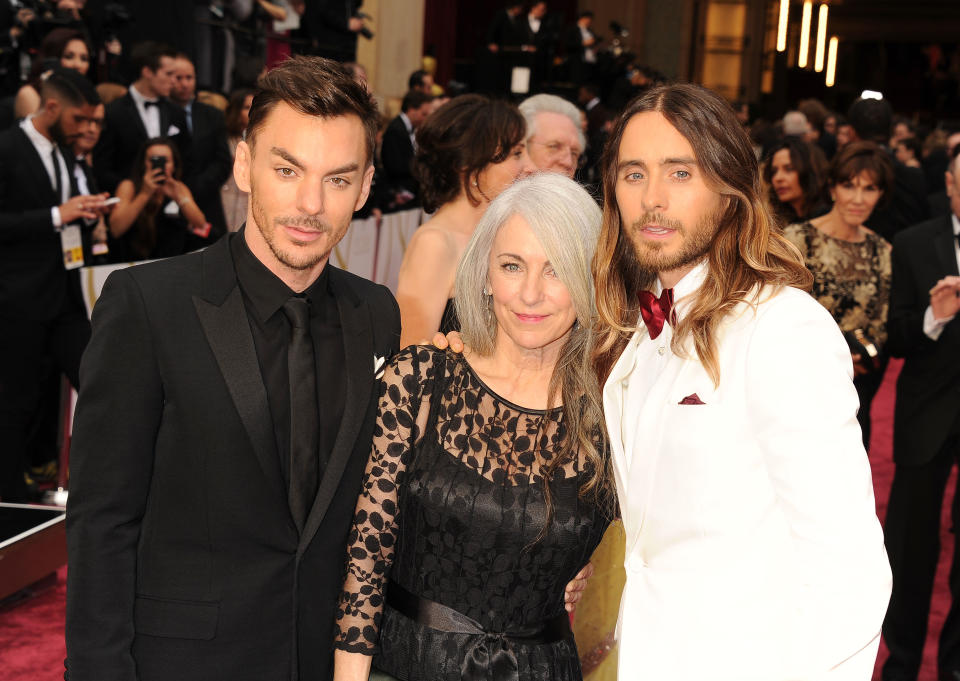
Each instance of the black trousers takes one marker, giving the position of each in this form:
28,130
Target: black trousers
912,537
26,349
867,386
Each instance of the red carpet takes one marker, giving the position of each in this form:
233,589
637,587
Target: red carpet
31,631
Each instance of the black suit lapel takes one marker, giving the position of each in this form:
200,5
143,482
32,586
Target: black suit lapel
943,244
359,355
135,115
224,322
35,168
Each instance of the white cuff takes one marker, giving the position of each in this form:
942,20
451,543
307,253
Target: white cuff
57,220
932,328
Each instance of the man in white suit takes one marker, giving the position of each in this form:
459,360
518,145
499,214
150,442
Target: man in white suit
753,547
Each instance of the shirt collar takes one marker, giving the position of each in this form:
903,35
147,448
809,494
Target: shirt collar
139,98
685,288
406,123
956,223
263,288
43,145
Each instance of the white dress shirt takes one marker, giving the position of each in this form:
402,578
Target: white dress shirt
150,115
933,327
45,148
654,355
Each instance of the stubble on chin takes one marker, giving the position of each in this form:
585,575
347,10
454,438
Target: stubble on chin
295,258
651,256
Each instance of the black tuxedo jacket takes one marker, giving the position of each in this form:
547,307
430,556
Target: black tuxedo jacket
184,560
907,206
33,282
212,164
928,390
124,133
396,153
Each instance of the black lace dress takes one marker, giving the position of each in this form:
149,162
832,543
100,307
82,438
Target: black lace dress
452,509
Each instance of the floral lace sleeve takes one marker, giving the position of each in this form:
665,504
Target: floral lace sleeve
370,545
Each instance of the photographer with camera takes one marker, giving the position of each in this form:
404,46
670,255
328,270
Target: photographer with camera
156,210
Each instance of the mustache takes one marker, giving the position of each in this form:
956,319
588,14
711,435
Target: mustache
310,222
652,217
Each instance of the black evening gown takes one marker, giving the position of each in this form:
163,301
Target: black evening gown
452,510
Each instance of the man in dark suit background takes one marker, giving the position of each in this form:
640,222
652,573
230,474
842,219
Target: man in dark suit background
42,316
226,415
141,114
924,329
331,28
871,120
399,142
212,160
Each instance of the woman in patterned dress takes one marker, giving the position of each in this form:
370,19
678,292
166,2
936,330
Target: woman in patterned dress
851,263
489,483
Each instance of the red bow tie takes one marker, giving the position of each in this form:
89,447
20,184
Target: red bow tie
655,311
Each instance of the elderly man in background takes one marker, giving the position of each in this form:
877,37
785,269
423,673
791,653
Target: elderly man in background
554,138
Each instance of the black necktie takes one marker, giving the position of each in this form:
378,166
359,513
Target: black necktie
304,469
147,103
57,180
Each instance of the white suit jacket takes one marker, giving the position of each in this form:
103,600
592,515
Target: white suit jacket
753,549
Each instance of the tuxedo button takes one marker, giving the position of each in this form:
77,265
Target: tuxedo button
661,350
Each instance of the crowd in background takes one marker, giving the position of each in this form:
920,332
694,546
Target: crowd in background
158,130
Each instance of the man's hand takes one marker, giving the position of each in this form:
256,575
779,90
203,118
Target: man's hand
86,207
945,297
355,24
452,340
574,590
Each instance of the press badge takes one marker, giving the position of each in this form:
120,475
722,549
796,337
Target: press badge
72,247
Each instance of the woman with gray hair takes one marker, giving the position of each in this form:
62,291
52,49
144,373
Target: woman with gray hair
489,483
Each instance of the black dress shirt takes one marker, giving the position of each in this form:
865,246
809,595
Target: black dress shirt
263,297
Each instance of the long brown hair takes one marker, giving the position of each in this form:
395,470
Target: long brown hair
748,250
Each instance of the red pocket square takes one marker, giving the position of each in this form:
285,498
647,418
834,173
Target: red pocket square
691,399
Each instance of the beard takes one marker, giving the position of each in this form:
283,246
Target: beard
298,258
695,242
57,133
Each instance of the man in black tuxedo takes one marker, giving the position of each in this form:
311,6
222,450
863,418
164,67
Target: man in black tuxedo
42,316
924,329
581,44
399,142
226,415
212,160
872,120
141,114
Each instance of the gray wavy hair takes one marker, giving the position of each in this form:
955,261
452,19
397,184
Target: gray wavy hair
531,106
566,222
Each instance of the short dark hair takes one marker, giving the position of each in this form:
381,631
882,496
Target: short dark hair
459,140
858,157
914,145
414,100
416,79
585,13
149,54
316,87
69,87
871,119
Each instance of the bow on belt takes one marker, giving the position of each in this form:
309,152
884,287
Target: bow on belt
491,656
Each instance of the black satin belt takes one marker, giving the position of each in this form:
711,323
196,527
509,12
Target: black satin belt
492,655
